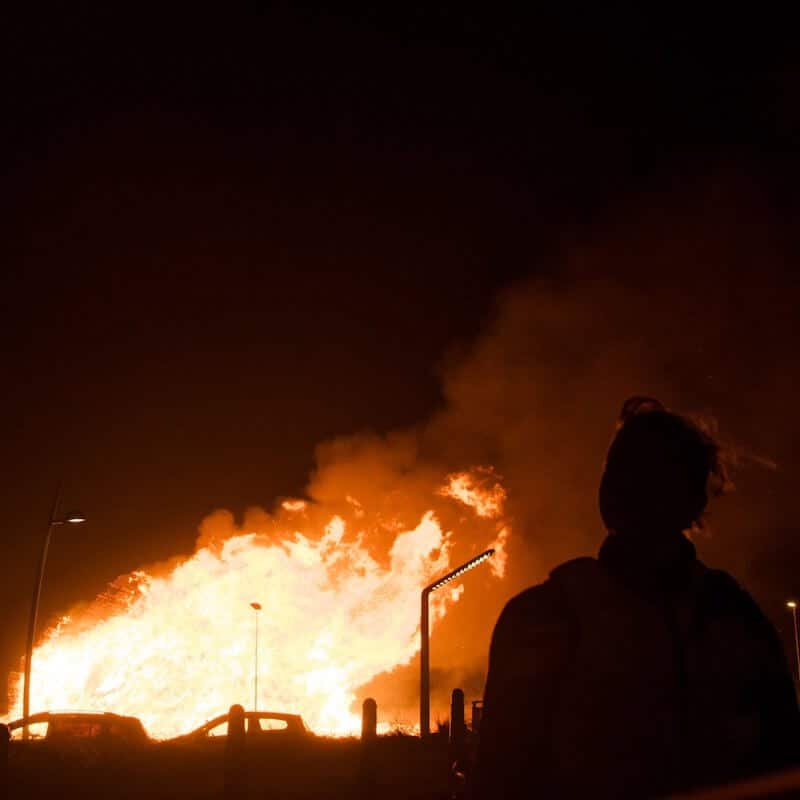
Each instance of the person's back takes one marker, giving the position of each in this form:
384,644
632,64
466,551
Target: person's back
641,672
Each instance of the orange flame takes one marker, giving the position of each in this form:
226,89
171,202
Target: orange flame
181,647
480,489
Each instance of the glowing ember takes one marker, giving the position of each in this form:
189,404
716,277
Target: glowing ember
178,649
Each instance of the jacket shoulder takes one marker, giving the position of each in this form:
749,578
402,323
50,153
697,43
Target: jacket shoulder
576,567
544,607
574,579
538,606
722,595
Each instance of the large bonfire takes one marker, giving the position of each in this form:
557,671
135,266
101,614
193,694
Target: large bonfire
177,648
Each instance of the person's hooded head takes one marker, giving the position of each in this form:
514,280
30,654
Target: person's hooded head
657,471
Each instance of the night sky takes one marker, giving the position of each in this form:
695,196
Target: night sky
228,238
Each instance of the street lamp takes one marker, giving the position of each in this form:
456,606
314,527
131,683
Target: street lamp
424,657
256,607
792,604
73,518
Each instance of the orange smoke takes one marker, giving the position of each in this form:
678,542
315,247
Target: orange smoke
481,490
180,647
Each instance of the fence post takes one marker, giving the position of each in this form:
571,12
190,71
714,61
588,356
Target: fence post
235,765
457,728
369,730
456,750
369,720
4,748
477,712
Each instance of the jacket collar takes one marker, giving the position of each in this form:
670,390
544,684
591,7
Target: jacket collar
649,563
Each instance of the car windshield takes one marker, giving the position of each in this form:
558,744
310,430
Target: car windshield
220,729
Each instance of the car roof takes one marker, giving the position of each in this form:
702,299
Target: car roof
258,714
292,719
46,716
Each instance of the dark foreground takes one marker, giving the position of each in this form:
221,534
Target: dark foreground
389,767
392,767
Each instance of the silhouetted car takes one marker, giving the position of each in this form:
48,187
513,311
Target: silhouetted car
261,727
79,737
68,726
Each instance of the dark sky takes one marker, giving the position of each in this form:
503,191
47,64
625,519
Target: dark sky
229,237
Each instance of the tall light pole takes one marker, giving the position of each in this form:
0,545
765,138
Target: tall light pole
792,604
69,519
425,653
256,607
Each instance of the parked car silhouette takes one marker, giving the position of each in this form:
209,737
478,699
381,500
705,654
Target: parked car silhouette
103,728
81,738
261,727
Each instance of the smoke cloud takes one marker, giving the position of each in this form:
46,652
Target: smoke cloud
685,296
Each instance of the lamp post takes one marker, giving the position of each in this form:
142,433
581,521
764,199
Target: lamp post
792,604
256,608
74,518
424,655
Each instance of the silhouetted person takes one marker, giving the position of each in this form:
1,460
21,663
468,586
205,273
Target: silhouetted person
643,671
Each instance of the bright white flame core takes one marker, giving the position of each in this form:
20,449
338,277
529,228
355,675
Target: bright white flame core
182,650
179,648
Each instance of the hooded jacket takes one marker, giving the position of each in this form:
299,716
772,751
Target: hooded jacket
633,675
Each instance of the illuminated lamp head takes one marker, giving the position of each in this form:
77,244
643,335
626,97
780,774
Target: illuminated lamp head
73,518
